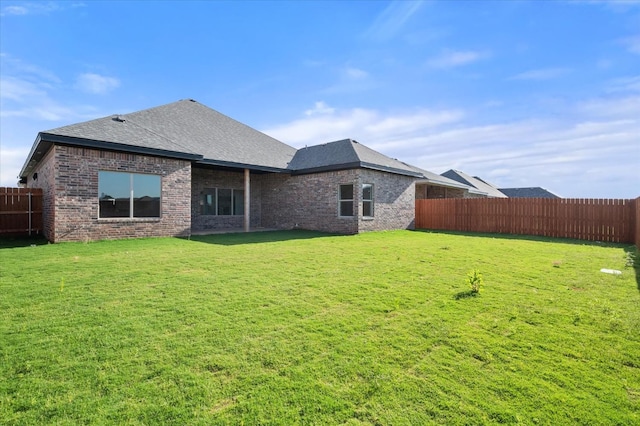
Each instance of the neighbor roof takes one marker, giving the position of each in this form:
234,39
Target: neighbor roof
475,182
533,192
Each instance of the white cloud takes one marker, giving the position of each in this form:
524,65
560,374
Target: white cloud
324,124
14,10
38,7
541,74
451,59
391,20
96,84
355,73
351,80
620,107
632,44
624,84
11,162
594,154
320,108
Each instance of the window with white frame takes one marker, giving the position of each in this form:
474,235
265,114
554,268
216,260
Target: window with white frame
345,203
222,202
128,195
367,200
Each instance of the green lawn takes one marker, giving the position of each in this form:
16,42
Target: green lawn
306,328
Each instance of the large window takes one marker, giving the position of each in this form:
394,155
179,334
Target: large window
345,203
223,202
367,200
128,195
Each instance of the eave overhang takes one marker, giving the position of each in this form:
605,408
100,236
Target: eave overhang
241,166
356,165
44,141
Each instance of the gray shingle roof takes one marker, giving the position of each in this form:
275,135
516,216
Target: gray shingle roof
189,130
188,127
346,154
475,182
533,192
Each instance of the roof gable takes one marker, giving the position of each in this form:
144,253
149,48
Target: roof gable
346,154
188,127
189,130
475,182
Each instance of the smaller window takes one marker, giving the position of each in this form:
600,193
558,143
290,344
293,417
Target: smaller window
345,206
222,202
238,202
367,200
209,202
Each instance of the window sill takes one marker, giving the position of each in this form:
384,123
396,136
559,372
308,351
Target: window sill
368,218
128,219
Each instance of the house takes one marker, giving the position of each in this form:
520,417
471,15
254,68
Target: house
184,168
491,190
475,182
533,192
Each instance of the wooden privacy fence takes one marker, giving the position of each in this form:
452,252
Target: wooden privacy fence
583,219
20,211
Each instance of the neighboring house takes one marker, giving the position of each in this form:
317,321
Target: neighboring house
475,182
491,190
534,192
184,168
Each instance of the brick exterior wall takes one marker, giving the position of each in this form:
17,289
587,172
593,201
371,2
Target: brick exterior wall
393,200
46,181
426,191
311,201
206,178
69,179
72,194
307,202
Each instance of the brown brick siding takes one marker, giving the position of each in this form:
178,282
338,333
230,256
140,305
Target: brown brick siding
311,201
393,199
46,181
307,202
426,191
69,179
75,195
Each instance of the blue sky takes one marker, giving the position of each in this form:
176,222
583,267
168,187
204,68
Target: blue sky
520,93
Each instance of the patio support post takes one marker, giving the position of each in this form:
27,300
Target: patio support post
247,198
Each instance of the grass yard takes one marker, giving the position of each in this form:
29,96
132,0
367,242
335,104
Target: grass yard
306,328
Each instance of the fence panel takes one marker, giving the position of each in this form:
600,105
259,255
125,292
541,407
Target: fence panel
610,220
20,211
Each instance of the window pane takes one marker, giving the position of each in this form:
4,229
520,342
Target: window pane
346,192
238,202
367,191
346,208
367,208
146,193
367,200
209,202
114,194
224,202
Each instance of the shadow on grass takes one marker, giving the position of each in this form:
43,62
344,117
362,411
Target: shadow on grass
257,237
525,238
7,242
465,295
633,256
